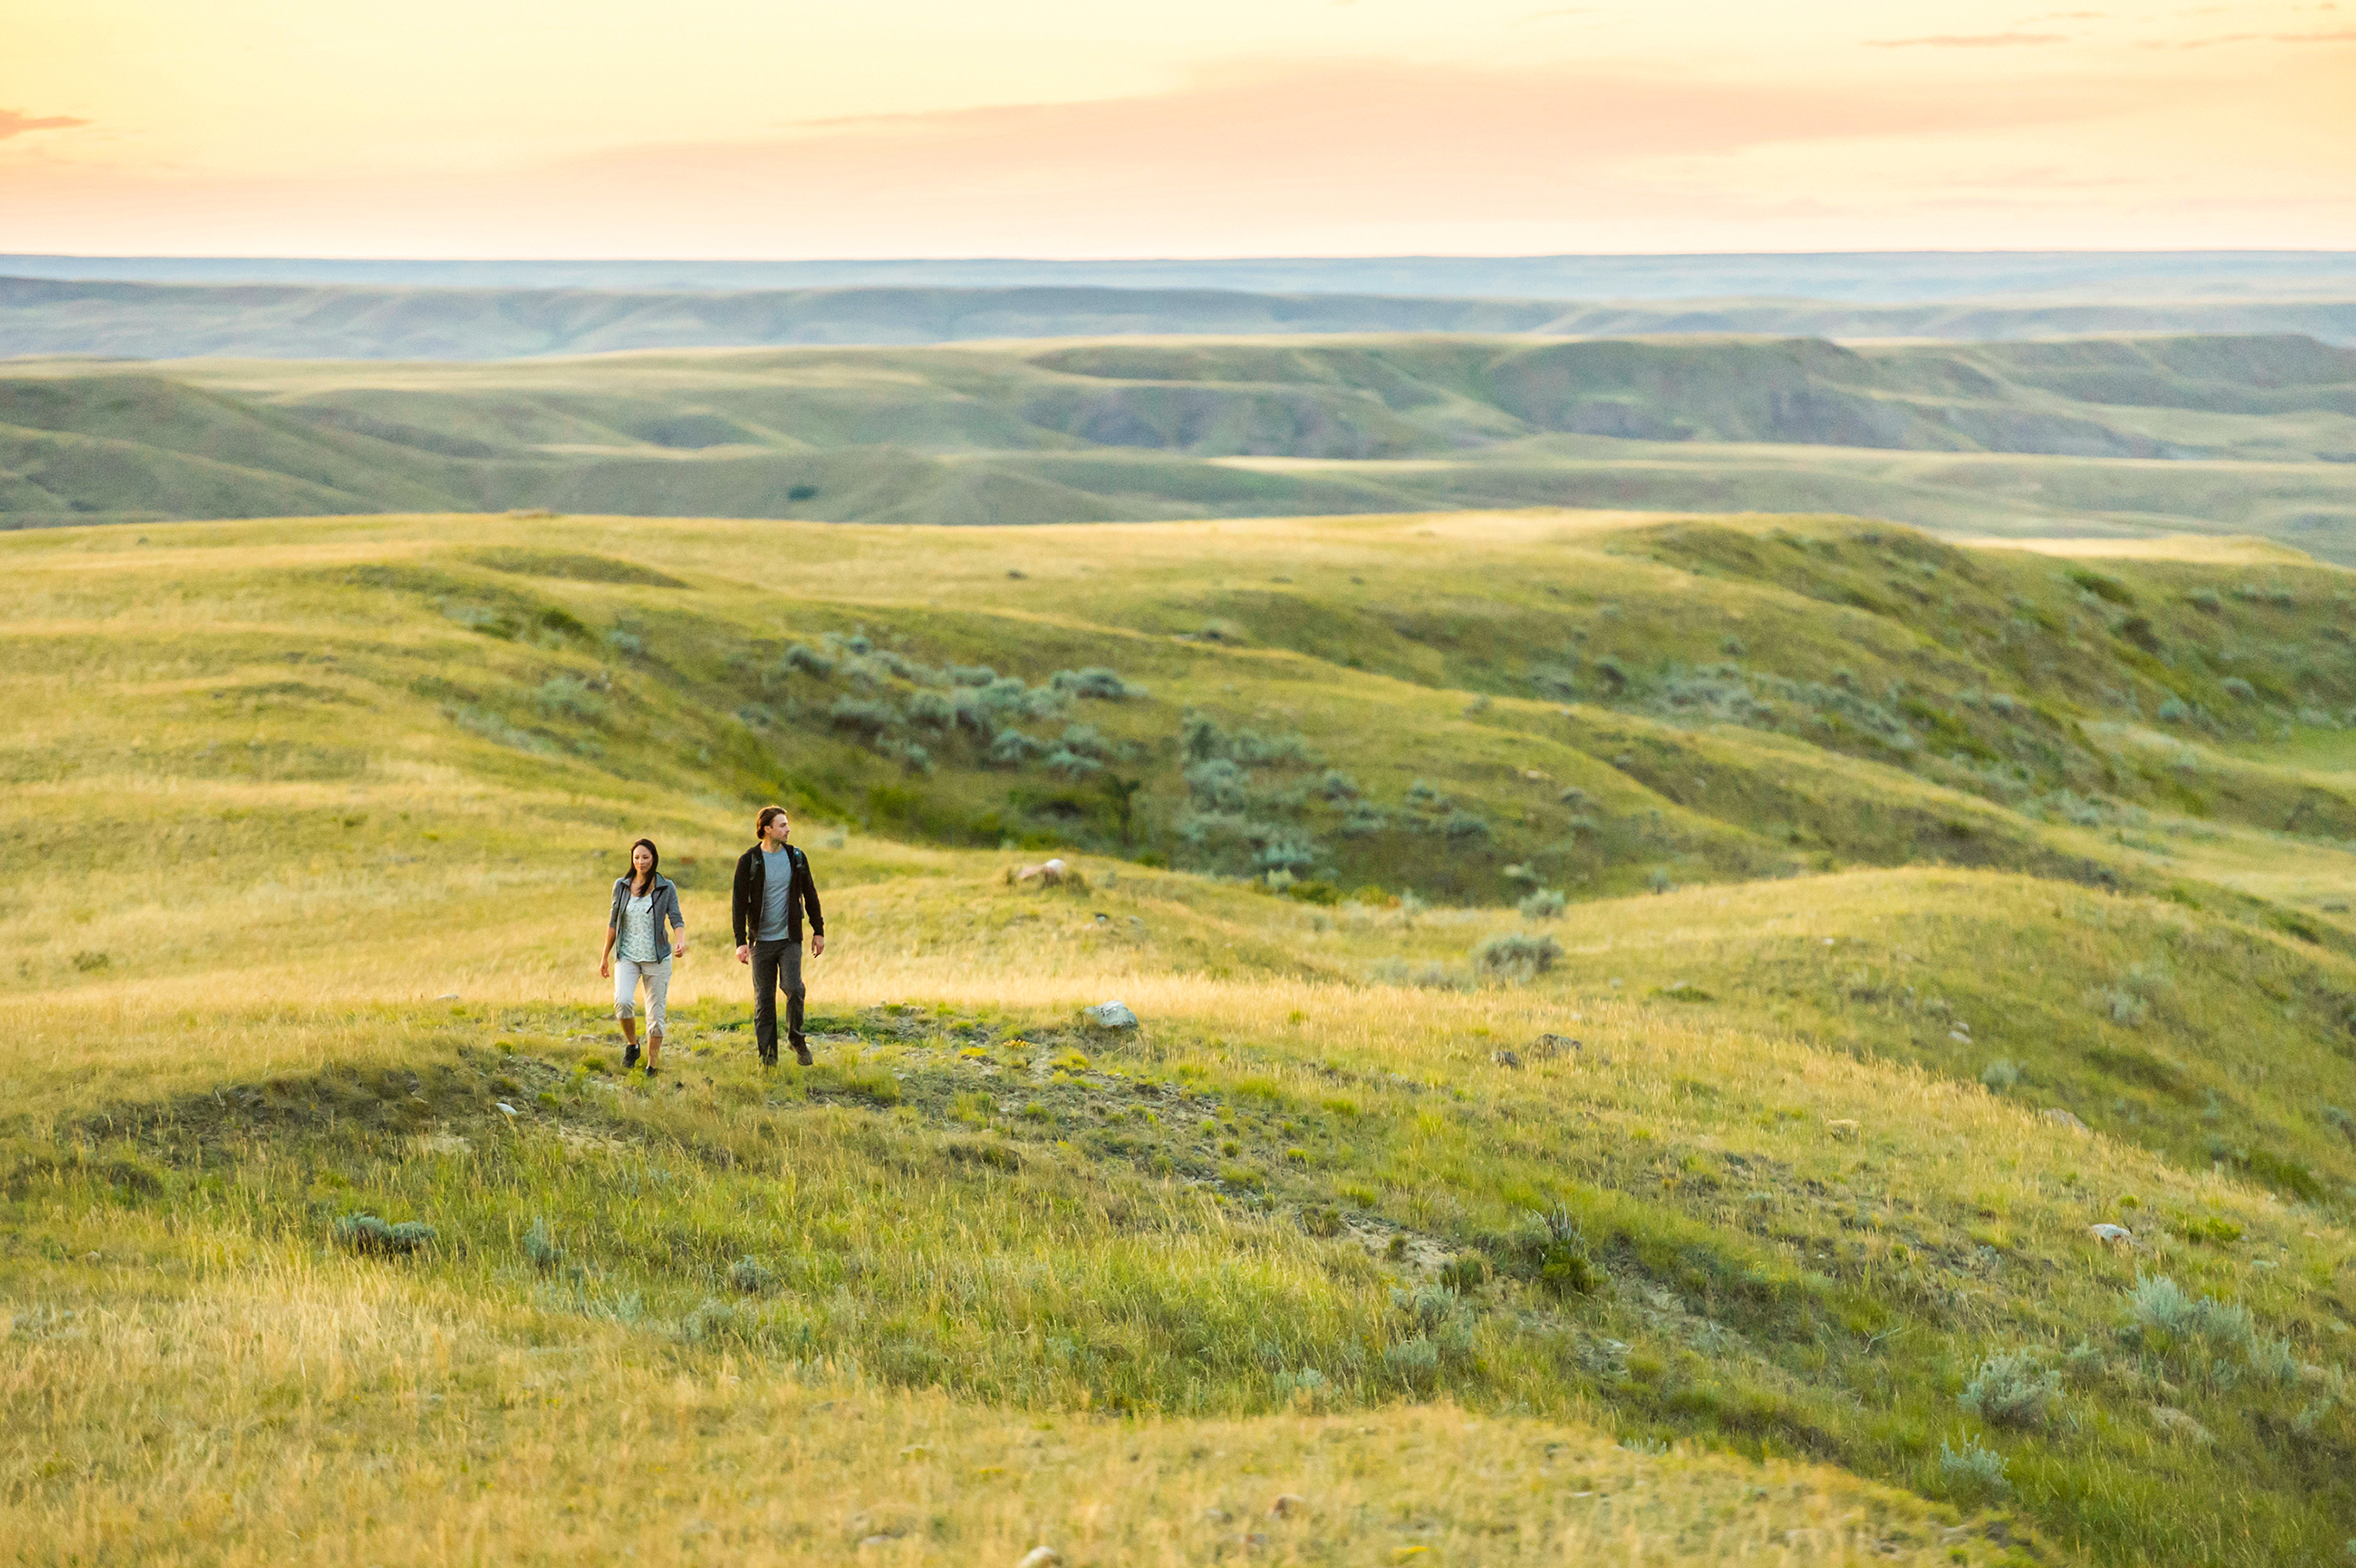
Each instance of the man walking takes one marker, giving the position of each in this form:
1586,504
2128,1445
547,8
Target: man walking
772,887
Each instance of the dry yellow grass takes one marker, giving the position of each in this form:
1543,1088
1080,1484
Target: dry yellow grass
281,1411
2209,550
1864,1222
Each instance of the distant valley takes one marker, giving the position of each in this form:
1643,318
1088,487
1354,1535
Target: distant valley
2251,434
374,320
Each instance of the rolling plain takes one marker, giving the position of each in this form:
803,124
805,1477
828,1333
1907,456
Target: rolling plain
2119,437
1640,1017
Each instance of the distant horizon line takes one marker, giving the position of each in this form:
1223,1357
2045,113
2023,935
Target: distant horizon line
1263,257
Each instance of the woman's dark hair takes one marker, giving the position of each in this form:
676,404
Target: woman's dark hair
654,864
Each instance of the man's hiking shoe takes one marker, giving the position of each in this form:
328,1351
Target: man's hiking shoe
801,1053
629,1056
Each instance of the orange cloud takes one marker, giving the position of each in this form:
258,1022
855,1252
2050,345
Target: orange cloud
14,122
1968,41
1455,138
1352,157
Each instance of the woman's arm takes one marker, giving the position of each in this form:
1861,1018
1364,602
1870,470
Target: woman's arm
678,930
606,959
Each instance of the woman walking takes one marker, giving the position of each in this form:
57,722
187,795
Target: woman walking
646,922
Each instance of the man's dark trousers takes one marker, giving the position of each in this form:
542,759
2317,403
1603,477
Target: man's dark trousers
775,964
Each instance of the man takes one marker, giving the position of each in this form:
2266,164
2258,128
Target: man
772,888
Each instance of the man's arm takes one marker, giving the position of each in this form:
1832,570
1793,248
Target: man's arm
810,902
736,900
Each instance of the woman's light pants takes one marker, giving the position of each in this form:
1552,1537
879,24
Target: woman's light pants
628,973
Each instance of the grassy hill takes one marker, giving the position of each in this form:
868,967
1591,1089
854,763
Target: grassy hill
1640,1017
2105,436
154,308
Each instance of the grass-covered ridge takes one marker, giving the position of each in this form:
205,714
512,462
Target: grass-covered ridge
1761,1138
2124,437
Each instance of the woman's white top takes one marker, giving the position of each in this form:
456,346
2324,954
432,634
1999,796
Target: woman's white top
640,943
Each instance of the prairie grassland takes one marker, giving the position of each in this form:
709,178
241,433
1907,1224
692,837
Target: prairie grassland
1784,1229
2208,550
1728,1182
371,1420
1074,431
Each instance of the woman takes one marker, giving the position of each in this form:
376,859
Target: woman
646,922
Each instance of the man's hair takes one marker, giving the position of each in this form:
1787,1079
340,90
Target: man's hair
768,813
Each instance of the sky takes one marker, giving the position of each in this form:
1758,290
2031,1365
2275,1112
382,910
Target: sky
780,129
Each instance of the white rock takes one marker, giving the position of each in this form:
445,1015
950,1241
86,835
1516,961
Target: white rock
2112,1233
1042,1557
503,1105
1110,1015
2055,1113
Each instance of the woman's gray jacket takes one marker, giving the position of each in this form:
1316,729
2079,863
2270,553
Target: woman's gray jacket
665,908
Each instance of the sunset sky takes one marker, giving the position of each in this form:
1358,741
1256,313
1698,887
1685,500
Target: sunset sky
730,128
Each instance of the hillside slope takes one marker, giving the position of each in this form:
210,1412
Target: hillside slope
385,311
1853,978
2115,436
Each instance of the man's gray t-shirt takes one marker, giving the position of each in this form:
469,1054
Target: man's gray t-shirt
777,869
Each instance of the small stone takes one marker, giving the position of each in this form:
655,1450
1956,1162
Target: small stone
447,997
1505,1059
1288,1504
875,1541
1547,1047
1042,1557
1110,1015
2063,1118
504,1107
2112,1234
2177,1424
1842,1127
1215,1516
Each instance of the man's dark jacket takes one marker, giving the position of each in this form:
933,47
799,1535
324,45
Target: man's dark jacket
752,890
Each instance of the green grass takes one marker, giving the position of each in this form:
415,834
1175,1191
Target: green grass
312,823
2121,437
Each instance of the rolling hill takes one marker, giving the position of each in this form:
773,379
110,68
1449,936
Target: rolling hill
1641,1018
2118,436
1849,277
116,317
